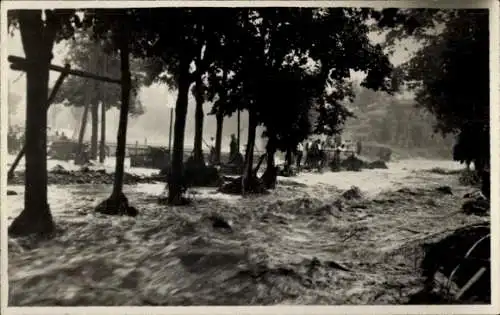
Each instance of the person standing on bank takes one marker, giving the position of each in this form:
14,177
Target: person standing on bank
299,153
233,148
211,158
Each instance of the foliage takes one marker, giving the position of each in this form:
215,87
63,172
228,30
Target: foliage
290,97
171,38
397,122
324,44
287,64
60,23
450,73
332,112
90,55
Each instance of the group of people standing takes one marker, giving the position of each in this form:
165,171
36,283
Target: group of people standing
312,151
315,152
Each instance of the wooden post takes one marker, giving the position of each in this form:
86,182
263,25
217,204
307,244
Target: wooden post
102,150
170,135
51,98
469,283
238,139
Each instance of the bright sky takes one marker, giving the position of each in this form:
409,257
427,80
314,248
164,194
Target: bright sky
154,124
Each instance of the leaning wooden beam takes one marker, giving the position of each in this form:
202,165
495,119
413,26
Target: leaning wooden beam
52,96
469,283
19,64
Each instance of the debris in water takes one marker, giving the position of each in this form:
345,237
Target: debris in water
476,206
60,176
406,190
218,222
339,205
335,265
58,169
377,165
352,193
234,187
445,190
353,163
431,202
109,207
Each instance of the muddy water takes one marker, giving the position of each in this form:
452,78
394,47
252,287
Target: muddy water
398,174
284,248
64,200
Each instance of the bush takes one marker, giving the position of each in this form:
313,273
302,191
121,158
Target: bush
469,178
377,165
198,174
353,163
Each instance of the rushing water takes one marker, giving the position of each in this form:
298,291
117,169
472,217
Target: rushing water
283,247
65,199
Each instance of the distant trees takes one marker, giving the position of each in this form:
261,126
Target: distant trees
12,102
87,53
397,122
450,73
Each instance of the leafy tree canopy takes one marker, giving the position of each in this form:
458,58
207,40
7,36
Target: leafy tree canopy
450,73
326,44
92,55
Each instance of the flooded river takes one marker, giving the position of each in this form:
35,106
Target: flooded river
302,244
65,199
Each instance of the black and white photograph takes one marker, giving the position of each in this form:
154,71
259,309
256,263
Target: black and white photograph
258,153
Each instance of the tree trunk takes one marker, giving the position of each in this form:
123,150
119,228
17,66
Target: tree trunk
37,43
198,133
79,153
239,128
122,126
218,136
94,111
219,116
175,185
170,137
269,176
252,125
271,151
102,150
288,159
95,127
